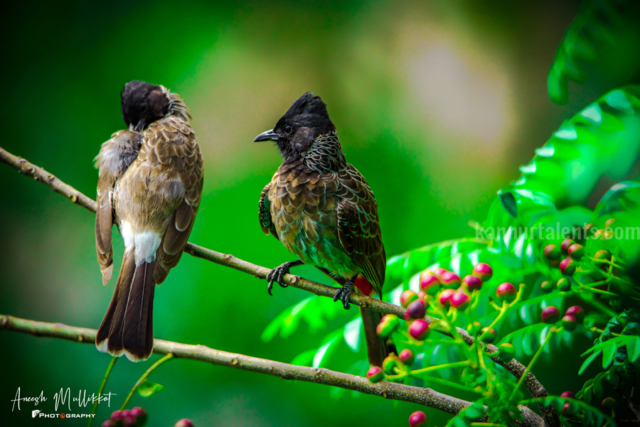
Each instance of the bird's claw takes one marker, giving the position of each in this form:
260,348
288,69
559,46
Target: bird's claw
343,294
277,275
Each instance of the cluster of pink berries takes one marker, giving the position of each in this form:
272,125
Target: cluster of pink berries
456,290
135,417
572,316
571,251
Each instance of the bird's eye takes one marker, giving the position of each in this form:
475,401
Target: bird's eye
143,107
288,129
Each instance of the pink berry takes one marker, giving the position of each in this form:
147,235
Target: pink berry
567,266
108,423
440,271
408,297
568,394
118,416
416,309
406,356
576,251
483,271
450,279
184,423
417,419
550,314
419,328
566,243
428,280
576,311
445,296
569,322
375,374
129,421
472,282
552,252
505,290
459,299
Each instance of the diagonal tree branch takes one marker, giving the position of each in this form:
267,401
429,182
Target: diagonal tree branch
422,396
516,368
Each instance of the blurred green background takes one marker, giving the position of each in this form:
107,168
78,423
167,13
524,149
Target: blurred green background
436,103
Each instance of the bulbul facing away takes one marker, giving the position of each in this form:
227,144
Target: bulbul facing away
149,187
322,210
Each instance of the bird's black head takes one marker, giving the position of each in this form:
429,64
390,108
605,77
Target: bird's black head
296,131
143,104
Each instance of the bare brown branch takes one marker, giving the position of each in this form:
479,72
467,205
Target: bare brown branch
516,368
422,396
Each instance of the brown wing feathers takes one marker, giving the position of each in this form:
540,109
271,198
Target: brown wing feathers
359,227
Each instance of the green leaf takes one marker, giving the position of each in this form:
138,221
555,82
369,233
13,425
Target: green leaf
149,388
509,203
633,349
591,32
588,362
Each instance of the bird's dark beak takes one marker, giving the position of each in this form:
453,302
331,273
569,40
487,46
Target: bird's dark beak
269,135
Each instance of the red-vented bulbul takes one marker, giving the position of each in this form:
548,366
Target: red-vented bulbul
149,186
322,210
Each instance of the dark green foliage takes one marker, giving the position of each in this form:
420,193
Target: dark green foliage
591,32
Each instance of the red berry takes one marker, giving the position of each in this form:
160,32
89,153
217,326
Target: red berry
428,280
546,286
387,325
566,243
567,266
576,311
488,335
450,279
472,282
129,421
445,296
406,356
417,309
375,374
552,252
118,416
184,423
505,290
417,419
550,314
569,410
419,329
568,394
563,285
576,251
407,298
440,271
483,271
506,351
459,299
569,322
140,415
602,255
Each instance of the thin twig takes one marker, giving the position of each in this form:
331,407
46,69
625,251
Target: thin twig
143,378
516,368
102,386
388,390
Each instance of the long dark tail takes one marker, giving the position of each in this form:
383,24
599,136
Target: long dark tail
377,348
127,326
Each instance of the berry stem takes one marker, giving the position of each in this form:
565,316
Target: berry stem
101,389
438,367
533,361
143,378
